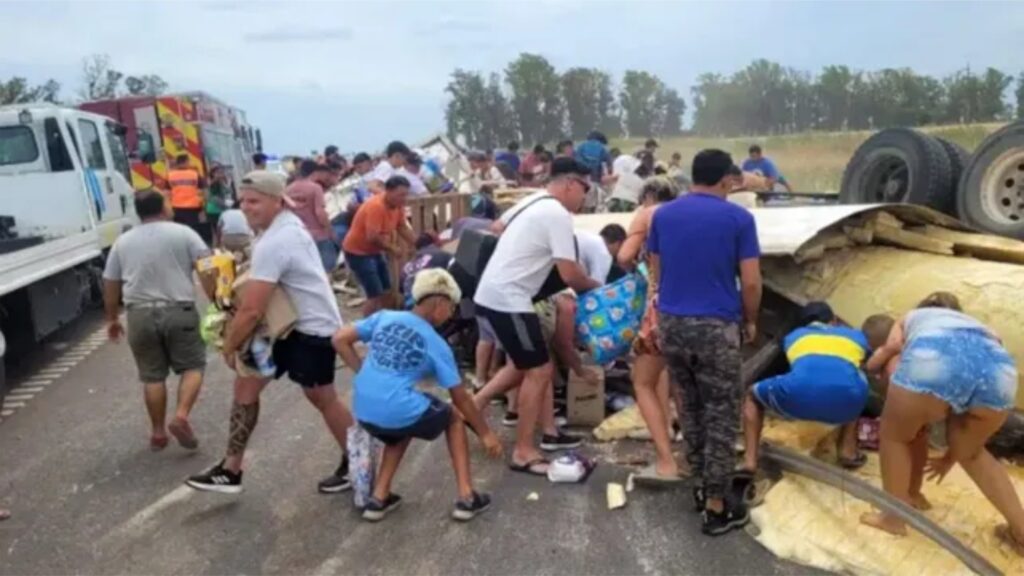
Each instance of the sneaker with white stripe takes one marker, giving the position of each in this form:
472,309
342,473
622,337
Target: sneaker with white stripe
217,479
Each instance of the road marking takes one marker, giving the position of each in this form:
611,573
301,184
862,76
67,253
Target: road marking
17,397
32,389
55,371
13,404
38,383
6,413
74,357
65,364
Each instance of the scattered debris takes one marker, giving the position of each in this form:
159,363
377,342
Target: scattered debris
616,495
533,496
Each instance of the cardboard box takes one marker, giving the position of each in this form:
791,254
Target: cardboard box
280,317
585,403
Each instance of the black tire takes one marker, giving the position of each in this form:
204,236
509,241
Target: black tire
959,157
991,192
899,165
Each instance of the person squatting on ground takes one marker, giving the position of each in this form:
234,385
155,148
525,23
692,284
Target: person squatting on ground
283,256
536,237
943,364
379,231
650,381
700,309
404,348
151,266
825,382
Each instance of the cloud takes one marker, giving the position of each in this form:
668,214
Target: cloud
284,35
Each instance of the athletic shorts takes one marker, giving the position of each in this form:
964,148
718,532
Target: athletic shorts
431,424
371,272
965,369
307,360
836,397
164,338
520,336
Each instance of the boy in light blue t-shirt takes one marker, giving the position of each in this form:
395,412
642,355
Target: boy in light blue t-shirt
405,348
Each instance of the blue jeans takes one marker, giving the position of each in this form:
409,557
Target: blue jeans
371,272
328,254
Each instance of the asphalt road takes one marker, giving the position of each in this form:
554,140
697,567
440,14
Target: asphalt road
88,497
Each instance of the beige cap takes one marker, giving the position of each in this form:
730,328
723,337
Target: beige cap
266,183
435,282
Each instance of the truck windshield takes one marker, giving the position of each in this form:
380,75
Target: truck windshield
17,145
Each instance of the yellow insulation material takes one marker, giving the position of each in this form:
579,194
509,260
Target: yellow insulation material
817,525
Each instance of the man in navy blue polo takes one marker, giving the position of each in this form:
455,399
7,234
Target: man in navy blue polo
706,242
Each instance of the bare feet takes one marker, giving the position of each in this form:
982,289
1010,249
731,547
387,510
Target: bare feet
1005,536
884,522
919,502
157,443
182,432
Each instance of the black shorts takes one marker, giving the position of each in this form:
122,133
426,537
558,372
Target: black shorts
431,424
307,360
520,336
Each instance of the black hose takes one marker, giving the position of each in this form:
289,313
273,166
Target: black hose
821,472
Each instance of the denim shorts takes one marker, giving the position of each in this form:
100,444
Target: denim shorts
963,368
431,424
371,272
328,250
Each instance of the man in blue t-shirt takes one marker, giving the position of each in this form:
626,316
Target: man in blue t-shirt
594,155
404,349
509,157
824,384
760,164
706,240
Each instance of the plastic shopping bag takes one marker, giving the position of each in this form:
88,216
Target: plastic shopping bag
363,451
211,326
608,318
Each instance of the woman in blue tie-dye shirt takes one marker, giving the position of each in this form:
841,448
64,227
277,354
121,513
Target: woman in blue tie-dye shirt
946,365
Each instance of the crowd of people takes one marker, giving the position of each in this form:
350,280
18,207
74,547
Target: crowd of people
699,253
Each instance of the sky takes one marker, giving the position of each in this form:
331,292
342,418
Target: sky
359,74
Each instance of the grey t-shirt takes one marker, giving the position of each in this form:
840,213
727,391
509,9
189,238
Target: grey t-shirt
286,255
155,262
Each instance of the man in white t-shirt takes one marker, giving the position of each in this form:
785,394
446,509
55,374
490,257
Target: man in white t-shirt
594,255
396,157
536,237
283,256
626,193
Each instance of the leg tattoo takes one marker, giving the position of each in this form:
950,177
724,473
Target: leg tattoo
243,421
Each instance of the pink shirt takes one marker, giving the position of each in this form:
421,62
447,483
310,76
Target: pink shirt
309,207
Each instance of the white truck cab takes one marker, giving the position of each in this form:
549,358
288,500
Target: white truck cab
65,197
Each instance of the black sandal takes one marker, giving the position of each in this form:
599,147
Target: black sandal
528,468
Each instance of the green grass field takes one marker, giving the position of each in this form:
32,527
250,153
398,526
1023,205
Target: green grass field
812,162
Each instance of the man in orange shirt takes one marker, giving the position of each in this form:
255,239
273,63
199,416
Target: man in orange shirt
377,231
187,197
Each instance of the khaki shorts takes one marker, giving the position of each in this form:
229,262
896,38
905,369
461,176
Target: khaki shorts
165,338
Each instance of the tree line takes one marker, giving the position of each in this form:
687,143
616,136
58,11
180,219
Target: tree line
99,81
532,102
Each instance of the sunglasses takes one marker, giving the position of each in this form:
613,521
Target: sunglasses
582,182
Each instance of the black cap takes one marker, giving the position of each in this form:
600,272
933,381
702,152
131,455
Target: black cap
564,166
816,312
651,143
361,157
397,147
332,149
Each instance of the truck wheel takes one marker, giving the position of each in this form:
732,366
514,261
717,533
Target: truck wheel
958,159
991,192
899,165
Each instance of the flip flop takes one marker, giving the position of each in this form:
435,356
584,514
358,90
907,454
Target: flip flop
528,468
853,463
1004,535
649,475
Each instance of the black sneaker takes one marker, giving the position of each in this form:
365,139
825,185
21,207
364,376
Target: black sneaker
376,510
560,441
466,510
510,419
699,502
217,479
733,516
337,482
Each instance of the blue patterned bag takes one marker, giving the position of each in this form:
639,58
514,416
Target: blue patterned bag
608,318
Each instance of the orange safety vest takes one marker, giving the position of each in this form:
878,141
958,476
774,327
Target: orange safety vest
185,189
